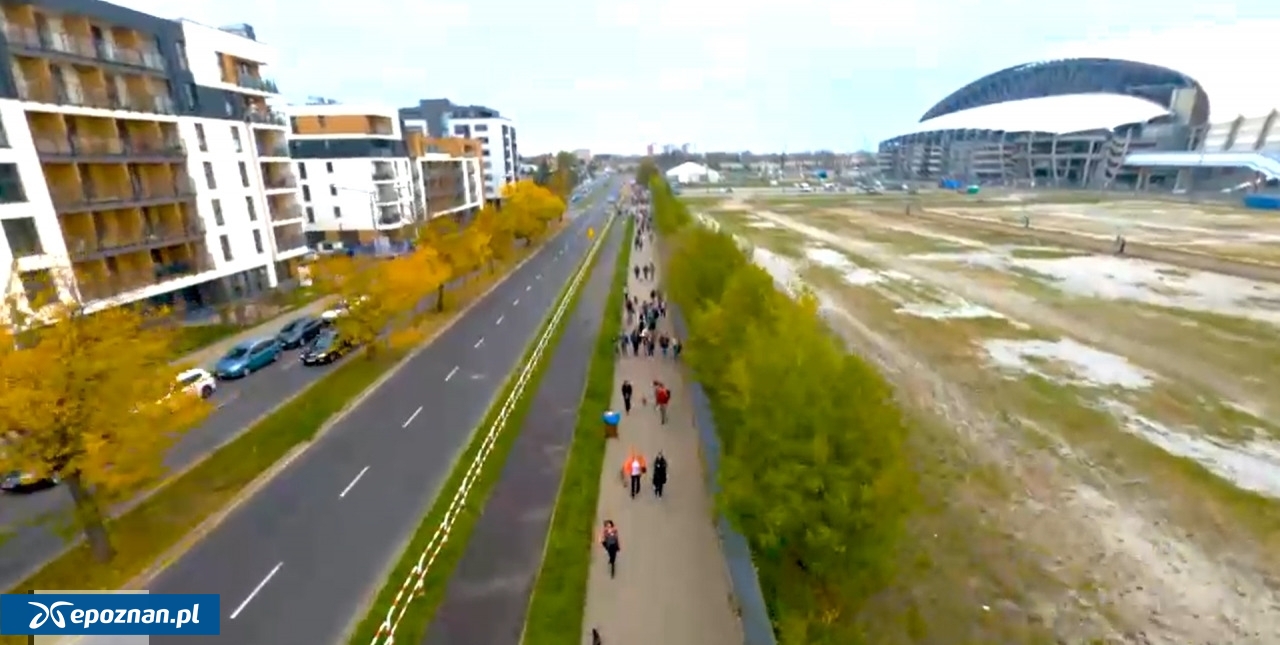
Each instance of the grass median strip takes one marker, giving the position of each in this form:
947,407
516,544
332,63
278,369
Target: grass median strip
146,531
424,587
560,593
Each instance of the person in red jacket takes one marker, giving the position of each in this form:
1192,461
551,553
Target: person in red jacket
661,396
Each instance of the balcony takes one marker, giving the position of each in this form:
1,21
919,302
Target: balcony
286,213
102,149
152,237
387,194
63,45
251,82
266,117
273,150
286,242
390,215
384,174
121,282
106,99
89,198
280,183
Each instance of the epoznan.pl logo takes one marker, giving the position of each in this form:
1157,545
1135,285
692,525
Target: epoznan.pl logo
115,614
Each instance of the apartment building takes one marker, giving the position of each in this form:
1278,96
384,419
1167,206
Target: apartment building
447,176
355,173
98,154
497,135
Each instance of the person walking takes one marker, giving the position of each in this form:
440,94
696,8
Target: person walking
664,342
676,346
609,540
626,396
659,473
634,468
661,397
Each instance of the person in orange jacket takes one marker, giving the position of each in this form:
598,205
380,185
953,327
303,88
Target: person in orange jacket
634,467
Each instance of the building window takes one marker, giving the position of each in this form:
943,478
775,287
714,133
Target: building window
182,55
484,152
481,127
337,213
306,193
311,215
484,141
302,171
204,143
320,121
257,240
11,190
208,175
4,136
39,287
333,190
244,174
226,248
193,97
218,219
248,204
328,167
235,137
24,239
461,130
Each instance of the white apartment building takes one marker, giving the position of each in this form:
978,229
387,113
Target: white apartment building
114,113
354,169
445,185
497,136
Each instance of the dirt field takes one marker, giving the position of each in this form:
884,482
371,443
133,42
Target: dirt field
1096,445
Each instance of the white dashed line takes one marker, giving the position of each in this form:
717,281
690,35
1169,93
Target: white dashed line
255,591
538,277
500,318
353,482
515,303
528,287
451,373
478,343
412,417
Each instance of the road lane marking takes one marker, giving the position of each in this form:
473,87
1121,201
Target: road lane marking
288,366
256,590
499,320
515,303
353,481
528,287
451,373
478,343
227,400
538,277
412,417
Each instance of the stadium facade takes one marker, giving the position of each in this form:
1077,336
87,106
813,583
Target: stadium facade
1093,122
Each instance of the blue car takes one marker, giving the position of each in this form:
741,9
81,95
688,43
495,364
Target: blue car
247,358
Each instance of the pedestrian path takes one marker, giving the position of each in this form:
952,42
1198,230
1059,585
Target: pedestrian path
671,585
208,355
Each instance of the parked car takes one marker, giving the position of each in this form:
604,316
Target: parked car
20,482
299,332
198,382
328,347
341,308
247,358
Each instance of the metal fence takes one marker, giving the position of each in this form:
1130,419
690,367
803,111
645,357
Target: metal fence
757,629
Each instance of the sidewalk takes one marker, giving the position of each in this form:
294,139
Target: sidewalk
208,355
671,586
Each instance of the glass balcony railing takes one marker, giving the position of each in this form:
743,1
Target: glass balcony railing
278,183
249,81
90,198
88,147
286,213
150,237
116,283
62,43
265,116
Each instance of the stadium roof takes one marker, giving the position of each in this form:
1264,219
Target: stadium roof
1052,114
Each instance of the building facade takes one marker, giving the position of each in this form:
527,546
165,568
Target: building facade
447,175
500,149
356,177
103,200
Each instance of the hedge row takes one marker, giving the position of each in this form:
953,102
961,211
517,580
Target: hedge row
815,471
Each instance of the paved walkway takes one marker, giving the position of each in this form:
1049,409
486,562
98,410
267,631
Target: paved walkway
671,586
208,355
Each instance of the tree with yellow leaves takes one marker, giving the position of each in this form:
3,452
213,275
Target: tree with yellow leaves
376,291
500,232
531,208
90,400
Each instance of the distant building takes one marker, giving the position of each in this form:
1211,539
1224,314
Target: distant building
583,155
497,135
693,173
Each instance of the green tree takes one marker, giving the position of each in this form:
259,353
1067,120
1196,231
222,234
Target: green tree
647,172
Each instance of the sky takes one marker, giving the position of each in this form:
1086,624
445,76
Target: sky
760,75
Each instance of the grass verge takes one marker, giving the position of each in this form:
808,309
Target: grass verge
156,524
194,338
560,592
412,629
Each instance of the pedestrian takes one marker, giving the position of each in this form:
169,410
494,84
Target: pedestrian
662,397
676,346
623,341
626,396
635,343
636,271
595,637
634,468
659,473
649,345
612,545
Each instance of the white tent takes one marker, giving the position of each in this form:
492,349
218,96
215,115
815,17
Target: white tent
693,173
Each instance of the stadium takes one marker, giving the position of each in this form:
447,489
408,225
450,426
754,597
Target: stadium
1098,122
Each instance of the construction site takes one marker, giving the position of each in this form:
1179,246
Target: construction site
1092,385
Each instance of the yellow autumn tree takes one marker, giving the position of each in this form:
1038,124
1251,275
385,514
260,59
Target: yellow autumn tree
378,290
531,208
90,399
500,233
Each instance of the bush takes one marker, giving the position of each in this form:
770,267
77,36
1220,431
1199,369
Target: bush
814,470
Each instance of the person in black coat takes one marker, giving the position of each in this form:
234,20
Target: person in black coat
659,473
626,396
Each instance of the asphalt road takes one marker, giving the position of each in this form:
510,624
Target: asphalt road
296,562
488,594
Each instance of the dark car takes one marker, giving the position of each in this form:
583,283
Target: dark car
328,347
299,332
20,482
